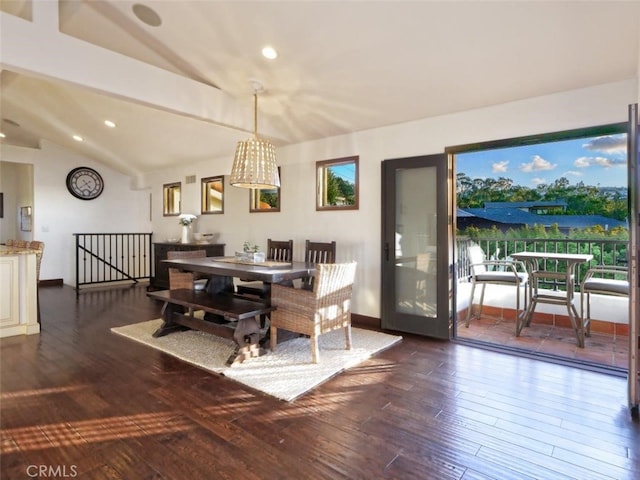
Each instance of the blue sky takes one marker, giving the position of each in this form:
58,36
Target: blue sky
346,171
599,161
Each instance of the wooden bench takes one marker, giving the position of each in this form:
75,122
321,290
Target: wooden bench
241,314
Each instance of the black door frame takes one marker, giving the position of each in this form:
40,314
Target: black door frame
441,325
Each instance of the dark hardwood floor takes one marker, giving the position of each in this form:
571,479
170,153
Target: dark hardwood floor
80,402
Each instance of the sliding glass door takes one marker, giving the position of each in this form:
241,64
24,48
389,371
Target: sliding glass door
633,158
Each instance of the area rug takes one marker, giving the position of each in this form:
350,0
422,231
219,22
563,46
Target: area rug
286,373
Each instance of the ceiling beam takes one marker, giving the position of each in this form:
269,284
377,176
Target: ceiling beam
73,61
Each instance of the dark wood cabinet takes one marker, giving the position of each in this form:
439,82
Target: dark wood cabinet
160,280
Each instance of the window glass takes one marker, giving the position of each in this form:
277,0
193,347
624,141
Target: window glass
337,184
171,195
265,199
212,194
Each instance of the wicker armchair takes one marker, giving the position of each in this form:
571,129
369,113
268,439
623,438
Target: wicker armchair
39,247
178,278
324,309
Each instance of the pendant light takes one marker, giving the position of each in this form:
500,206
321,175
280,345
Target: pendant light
254,165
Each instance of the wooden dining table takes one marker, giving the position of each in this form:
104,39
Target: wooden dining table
222,270
536,263
224,308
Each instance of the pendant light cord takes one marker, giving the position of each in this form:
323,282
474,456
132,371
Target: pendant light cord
255,114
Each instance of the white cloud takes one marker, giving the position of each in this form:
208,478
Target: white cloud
615,144
572,173
584,162
537,164
538,181
500,167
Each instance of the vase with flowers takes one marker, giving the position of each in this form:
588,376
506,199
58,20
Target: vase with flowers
186,219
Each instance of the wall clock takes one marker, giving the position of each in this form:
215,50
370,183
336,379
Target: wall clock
84,183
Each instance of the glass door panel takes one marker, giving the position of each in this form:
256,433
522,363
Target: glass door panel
416,248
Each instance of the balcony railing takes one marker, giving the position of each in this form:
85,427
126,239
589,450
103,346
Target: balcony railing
605,252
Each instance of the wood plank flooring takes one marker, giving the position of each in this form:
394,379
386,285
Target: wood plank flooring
80,402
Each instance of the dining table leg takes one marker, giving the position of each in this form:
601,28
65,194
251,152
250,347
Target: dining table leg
218,284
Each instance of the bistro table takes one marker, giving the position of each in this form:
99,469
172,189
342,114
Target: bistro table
536,265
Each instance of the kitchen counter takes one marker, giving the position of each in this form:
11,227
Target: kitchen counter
18,291
6,251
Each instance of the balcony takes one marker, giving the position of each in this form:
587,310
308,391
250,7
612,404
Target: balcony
550,332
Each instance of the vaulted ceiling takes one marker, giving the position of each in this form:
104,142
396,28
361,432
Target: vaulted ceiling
179,87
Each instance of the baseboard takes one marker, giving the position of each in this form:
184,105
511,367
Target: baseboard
56,282
365,321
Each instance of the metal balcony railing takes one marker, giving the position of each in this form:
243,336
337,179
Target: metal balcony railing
605,252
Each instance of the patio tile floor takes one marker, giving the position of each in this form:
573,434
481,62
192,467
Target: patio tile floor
600,348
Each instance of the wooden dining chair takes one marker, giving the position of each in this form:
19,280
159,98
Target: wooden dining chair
318,252
277,250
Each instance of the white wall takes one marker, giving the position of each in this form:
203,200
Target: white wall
357,233
58,215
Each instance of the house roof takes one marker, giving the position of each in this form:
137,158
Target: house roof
517,217
556,203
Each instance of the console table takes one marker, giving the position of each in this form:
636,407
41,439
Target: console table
160,279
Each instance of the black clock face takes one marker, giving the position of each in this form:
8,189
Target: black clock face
84,183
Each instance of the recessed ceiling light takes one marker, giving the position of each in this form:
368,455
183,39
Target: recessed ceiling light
78,138
146,15
109,123
269,52
2,135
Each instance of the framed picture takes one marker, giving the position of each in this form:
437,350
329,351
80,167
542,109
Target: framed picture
1,205
265,199
25,219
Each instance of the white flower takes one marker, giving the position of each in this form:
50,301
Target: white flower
186,219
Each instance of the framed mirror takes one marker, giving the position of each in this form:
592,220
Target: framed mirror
337,184
171,193
212,195
265,199
25,219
